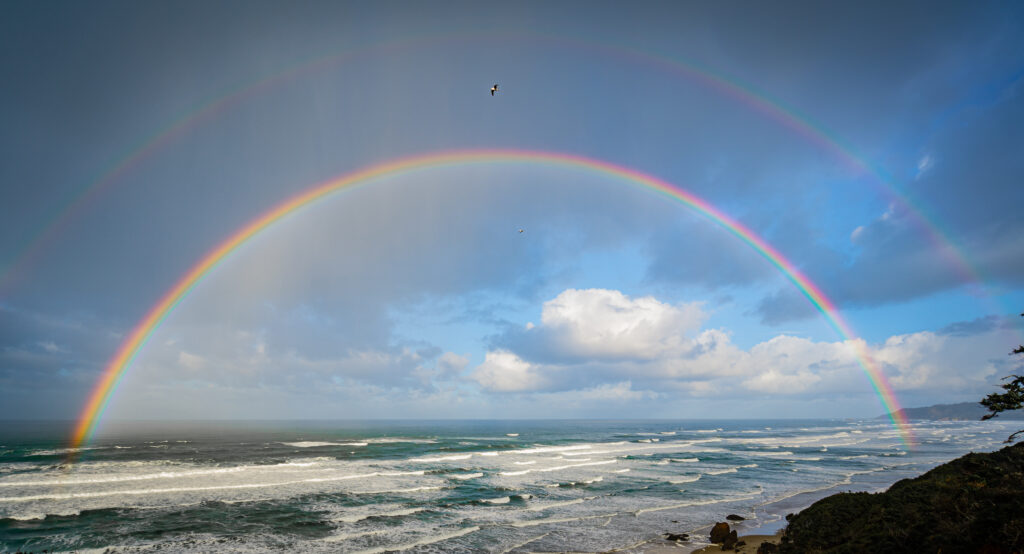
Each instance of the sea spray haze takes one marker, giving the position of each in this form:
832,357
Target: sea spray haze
455,485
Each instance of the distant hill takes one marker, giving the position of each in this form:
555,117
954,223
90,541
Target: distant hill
953,412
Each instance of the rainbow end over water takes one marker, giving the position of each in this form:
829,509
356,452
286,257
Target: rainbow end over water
119,364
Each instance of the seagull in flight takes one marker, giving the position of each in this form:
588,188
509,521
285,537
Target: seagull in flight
494,89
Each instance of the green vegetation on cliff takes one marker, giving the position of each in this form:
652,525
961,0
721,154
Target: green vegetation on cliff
972,504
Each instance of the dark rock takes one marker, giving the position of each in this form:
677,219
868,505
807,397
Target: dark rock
768,548
676,536
719,532
789,517
735,517
741,543
992,549
730,541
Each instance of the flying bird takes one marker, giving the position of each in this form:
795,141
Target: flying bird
494,89
520,230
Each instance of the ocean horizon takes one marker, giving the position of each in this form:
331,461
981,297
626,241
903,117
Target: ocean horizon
441,485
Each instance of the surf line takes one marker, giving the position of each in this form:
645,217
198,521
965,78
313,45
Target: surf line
119,364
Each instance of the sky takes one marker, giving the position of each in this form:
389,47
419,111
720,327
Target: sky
876,145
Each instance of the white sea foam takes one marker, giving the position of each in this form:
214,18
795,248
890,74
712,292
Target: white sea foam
137,492
121,478
686,479
442,458
464,476
392,440
348,536
721,471
685,460
522,544
556,468
502,500
696,503
772,454
315,444
549,505
422,542
558,449
65,480
399,491
550,520
40,515
395,513
62,451
531,462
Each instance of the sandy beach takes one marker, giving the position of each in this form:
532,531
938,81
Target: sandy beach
700,546
751,542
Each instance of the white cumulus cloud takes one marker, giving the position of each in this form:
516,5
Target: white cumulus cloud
607,323
606,342
504,371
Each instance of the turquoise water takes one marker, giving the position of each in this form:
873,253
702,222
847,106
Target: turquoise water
439,486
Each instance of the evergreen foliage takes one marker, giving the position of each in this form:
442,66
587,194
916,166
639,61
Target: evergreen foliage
1012,399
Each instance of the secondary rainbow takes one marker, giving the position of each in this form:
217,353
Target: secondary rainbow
731,87
130,348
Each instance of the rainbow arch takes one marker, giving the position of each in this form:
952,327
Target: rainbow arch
743,93
118,366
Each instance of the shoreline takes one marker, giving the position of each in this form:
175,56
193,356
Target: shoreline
766,526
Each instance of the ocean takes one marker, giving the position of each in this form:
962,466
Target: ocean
441,486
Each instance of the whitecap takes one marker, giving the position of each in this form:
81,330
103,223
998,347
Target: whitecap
464,476
422,542
442,458
538,507
396,513
315,444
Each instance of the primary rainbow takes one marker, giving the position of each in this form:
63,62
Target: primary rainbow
757,101
119,364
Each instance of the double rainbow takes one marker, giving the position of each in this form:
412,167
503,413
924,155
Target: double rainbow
130,348
742,93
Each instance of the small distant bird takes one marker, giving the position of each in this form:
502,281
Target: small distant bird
520,230
494,89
